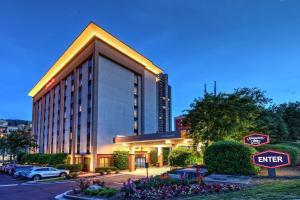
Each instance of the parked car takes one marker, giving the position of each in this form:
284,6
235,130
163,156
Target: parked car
19,169
37,173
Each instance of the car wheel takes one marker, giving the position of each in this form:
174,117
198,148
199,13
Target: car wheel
63,175
36,177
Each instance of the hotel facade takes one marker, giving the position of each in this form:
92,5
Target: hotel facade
98,97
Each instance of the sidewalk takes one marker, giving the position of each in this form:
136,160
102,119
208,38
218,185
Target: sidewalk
152,171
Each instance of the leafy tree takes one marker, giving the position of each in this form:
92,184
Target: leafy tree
291,114
20,141
225,115
271,122
3,146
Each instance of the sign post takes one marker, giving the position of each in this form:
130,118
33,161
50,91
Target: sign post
271,160
268,159
147,166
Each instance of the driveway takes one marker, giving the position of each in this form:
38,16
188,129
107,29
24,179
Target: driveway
11,189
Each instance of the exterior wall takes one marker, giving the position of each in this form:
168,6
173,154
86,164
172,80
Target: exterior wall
66,116
39,120
115,103
55,121
46,122
150,105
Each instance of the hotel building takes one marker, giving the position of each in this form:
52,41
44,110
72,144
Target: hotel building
98,97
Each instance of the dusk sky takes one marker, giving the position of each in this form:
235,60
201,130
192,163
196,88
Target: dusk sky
238,43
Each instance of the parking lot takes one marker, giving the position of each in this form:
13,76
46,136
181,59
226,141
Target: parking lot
12,189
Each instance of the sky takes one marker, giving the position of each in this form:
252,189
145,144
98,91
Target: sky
237,43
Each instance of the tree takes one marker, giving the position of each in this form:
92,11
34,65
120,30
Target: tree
271,122
291,114
225,115
3,146
20,141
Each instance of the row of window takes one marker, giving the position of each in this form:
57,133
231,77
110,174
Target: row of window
68,113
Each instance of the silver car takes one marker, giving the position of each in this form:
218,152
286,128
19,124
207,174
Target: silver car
37,173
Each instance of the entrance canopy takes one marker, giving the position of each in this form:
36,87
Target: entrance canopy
154,138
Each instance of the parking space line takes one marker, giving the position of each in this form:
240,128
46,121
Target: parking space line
9,185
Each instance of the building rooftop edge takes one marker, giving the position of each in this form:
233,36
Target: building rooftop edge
88,34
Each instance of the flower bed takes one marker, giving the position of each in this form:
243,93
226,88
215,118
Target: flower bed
156,188
160,187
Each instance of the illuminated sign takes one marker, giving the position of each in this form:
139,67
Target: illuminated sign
256,139
271,159
50,83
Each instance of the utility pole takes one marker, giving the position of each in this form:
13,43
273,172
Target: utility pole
215,88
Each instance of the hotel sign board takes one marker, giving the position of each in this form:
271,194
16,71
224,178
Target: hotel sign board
271,159
256,139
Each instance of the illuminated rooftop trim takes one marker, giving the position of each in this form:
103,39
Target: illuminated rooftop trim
91,31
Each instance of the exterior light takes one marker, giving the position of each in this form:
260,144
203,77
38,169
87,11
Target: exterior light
124,144
168,142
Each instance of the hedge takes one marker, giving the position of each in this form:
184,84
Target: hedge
71,167
230,157
105,169
43,159
182,157
293,151
120,159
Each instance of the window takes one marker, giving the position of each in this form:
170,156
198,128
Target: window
136,103
104,162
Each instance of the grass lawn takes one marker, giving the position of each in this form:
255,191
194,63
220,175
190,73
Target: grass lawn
284,189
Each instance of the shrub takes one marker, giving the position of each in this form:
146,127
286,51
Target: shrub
293,151
43,159
21,158
71,167
56,159
153,157
230,157
105,169
72,175
101,172
108,171
120,159
182,157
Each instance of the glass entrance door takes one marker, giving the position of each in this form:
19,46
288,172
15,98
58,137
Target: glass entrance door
140,162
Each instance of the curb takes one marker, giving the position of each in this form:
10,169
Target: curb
65,195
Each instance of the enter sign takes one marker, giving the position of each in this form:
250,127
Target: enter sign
271,159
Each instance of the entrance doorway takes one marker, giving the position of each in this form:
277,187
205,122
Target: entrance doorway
86,164
166,153
140,162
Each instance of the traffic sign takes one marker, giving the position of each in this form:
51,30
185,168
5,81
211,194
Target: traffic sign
256,139
271,159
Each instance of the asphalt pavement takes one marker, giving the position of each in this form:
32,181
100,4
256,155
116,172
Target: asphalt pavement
12,189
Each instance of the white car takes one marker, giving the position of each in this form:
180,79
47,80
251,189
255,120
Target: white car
37,173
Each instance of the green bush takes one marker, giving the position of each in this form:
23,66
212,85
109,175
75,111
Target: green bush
293,151
105,192
71,167
43,159
153,157
230,157
105,169
120,159
56,159
182,157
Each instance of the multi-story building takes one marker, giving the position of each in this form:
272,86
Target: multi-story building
164,103
179,123
97,89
